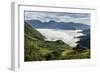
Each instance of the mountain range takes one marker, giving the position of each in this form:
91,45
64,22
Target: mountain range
58,25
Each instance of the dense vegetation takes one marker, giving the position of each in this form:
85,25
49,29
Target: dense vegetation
37,49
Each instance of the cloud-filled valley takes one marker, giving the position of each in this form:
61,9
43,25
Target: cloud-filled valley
67,36
59,26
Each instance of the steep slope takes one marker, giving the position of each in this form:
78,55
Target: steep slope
29,31
85,40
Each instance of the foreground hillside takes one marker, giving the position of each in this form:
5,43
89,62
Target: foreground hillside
37,49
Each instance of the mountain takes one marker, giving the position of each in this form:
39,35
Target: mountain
58,25
32,32
84,40
32,35
38,49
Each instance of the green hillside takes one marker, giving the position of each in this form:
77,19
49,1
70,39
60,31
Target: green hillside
37,49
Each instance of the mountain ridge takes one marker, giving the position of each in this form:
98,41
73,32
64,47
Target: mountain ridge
58,25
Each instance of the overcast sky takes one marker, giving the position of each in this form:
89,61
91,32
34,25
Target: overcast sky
58,17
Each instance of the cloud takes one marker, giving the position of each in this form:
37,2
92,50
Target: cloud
67,36
58,17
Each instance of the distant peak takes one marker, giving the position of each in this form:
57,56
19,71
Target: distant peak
51,21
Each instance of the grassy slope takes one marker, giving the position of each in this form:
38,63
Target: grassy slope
37,49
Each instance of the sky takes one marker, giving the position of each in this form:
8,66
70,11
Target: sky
58,17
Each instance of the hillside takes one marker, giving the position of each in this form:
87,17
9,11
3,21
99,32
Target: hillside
85,40
32,32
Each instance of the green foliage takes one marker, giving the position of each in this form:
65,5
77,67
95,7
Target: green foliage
37,49
32,32
74,54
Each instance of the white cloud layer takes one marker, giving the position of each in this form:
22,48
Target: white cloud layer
58,17
67,36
